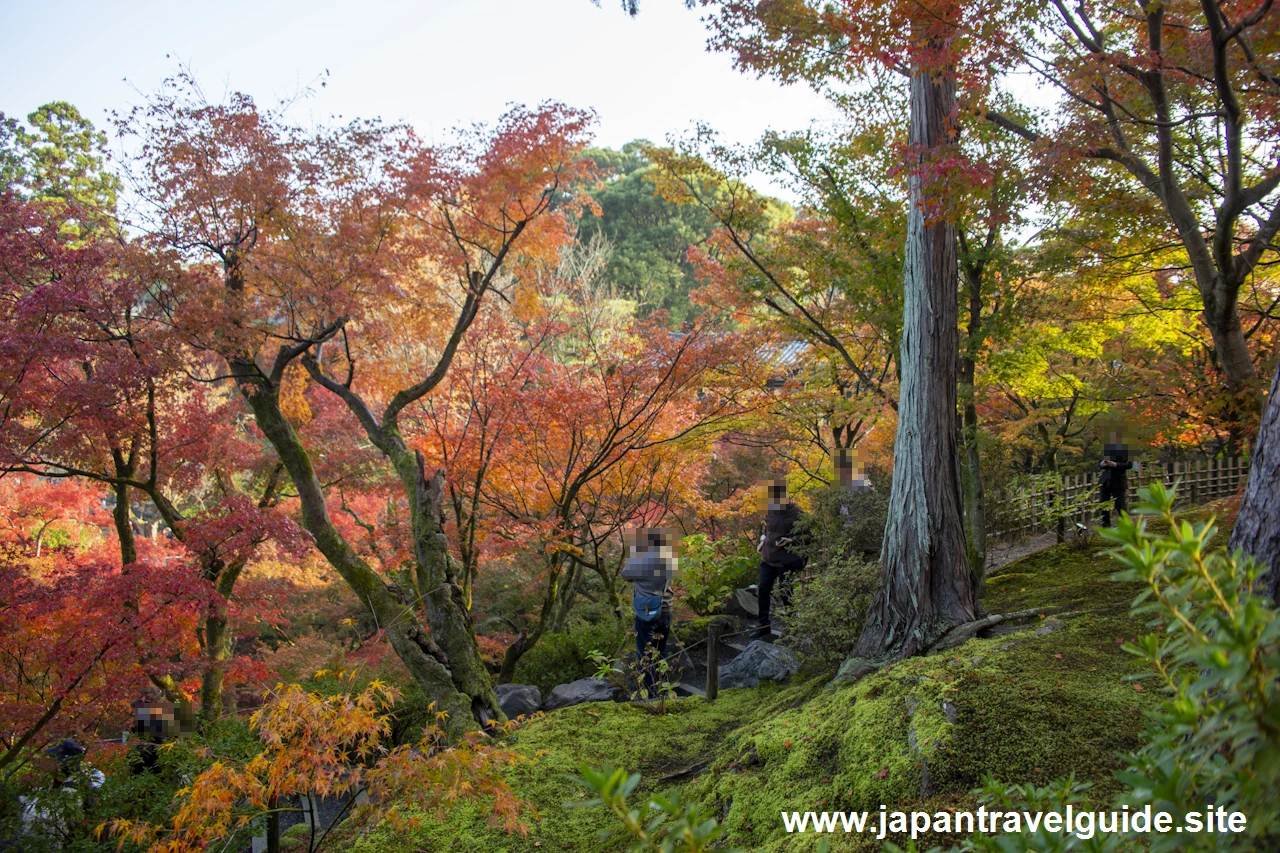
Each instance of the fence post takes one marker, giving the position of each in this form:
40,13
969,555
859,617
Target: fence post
1055,506
713,660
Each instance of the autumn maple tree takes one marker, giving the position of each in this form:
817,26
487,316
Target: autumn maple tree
95,389
107,621
362,256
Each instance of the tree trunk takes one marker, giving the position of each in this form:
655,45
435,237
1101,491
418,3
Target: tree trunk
443,599
393,611
975,499
927,587
611,587
568,592
1222,316
1257,530
217,649
972,491
528,639
217,639
122,517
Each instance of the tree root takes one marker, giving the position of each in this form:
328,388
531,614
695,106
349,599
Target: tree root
963,633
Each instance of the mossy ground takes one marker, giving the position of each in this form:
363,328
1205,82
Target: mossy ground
1032,705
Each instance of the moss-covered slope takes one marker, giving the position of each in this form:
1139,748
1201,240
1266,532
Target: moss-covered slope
1032,705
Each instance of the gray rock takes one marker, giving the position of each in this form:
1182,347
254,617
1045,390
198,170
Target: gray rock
759,661
743,603
853,670
518,700
577,692
1050,626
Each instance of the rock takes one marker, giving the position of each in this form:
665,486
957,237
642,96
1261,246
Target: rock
1050,625
518,700
853,670
743,603
577,692
759,661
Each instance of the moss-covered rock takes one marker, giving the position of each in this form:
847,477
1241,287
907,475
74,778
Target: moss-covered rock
1038,703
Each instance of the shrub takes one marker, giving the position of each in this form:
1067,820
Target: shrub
711,571
310,743
560,658
840,524
827,613
666,825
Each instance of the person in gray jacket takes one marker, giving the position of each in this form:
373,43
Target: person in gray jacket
650,568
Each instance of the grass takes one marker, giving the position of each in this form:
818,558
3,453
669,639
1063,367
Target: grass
1032,705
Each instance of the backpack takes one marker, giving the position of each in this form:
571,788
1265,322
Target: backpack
647,607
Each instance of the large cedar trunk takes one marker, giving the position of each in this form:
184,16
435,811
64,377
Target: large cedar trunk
926,583
1257,529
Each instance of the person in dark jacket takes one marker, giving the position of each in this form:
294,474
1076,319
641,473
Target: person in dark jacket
154,723
776,558
1114,479
650,568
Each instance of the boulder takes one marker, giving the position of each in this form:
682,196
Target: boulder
759,661
518,700
577,692
743,603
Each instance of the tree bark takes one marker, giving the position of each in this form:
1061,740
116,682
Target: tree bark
443,600
926,583
216,632
122,517
1257,529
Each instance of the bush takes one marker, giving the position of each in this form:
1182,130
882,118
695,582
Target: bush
827,613
561,658
840,524
711,571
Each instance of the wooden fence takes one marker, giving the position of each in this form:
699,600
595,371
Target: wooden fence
1076,497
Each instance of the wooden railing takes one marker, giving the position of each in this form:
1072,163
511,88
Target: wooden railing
1076,497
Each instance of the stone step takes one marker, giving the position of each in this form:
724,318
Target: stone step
687,689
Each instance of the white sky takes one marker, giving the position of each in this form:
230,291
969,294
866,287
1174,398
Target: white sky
435,63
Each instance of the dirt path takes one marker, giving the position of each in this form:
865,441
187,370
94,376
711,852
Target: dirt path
997,557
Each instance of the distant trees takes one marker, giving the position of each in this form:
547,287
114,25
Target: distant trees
648,236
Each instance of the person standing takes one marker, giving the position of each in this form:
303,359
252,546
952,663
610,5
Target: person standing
650,568
1114,479
776,558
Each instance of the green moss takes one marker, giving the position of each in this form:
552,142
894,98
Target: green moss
1036,704
626,735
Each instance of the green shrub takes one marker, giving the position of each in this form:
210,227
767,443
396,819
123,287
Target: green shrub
841,524
560,658
827,613
710,571
665,825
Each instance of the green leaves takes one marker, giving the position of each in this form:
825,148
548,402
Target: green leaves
664,825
